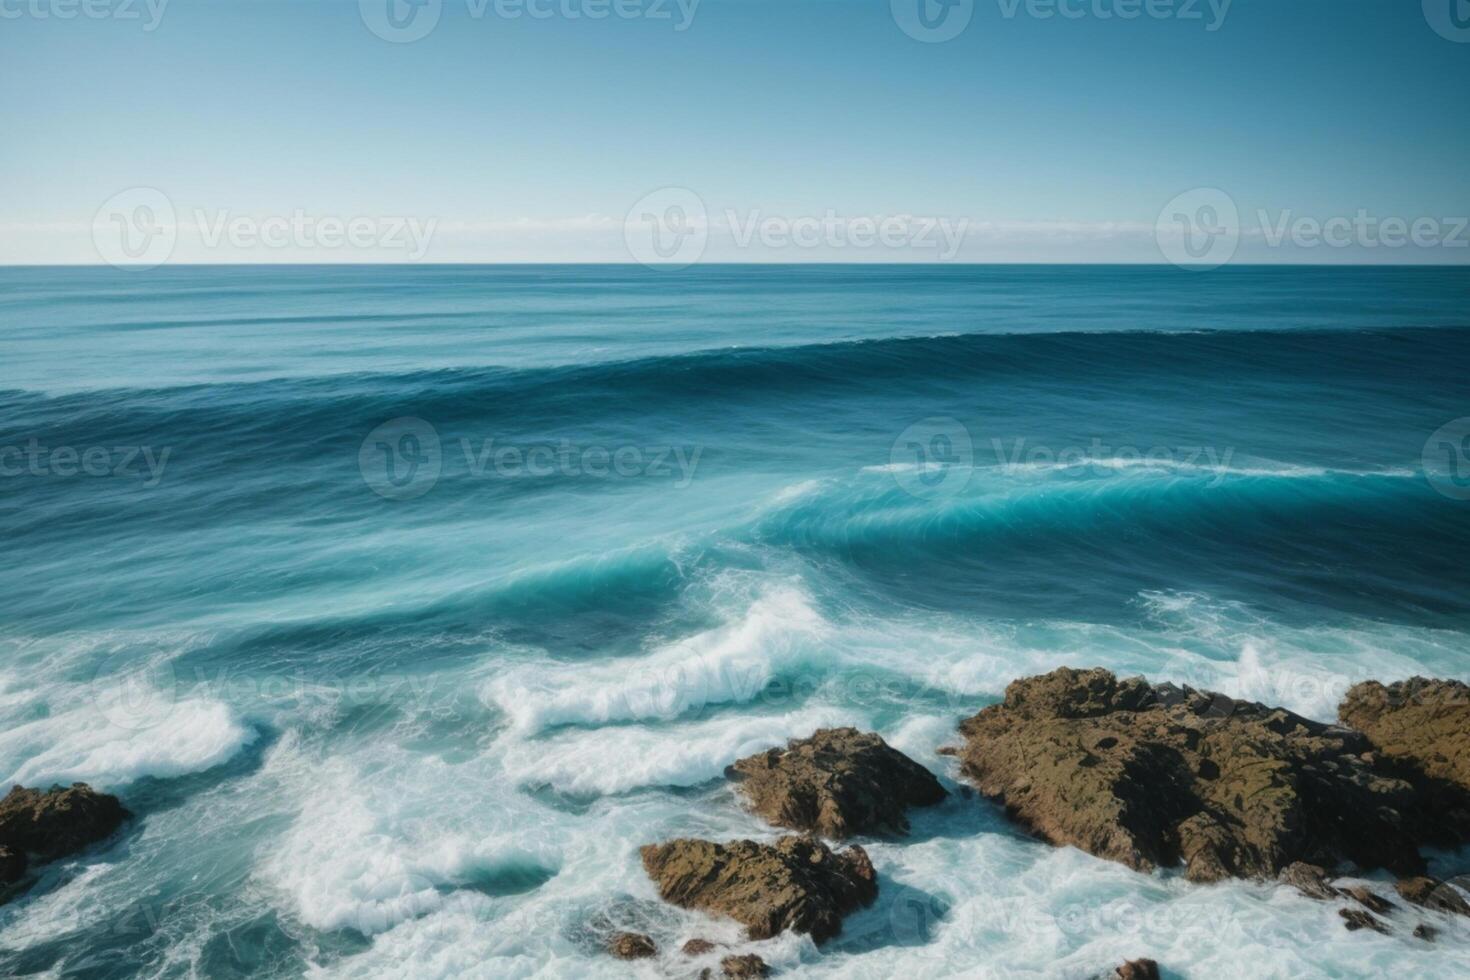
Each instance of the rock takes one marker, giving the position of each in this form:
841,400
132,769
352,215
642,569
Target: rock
1425,722
1369,900
1425,932
1308,879
837,783
1141,969
59,821
12,865
798,884
698,947
1431,894
1355,919
1152,776
631,946
739,967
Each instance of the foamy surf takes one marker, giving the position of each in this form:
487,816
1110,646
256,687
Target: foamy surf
729,664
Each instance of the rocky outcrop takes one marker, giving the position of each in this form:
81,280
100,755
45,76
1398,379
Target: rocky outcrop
798,883
1154,776
1309,879
698,947
631,946
1423,724
57,822
37,825
837,783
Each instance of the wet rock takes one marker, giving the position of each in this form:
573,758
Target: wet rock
1140,969
798,883
698,947
741,967
1155,775
631,946
1355,919
1309,879
1425,932
1424,722
1431,894
837,783
12,866
1369,900
53,823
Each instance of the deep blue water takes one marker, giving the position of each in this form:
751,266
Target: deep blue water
427,594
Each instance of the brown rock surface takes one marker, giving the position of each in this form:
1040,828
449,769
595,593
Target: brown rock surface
1153,776
1308,879
837,783
698,947
1431,894
1423,721
56,822
797,883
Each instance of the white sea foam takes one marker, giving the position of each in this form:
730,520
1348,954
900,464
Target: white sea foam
86,745
729,664
619,759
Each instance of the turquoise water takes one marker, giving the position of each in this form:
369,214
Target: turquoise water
402,604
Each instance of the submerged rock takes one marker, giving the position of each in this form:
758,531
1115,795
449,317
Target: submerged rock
631,946
1355,919
743,967
798,884
12,865
1140,969
837,783
57,822
1152,776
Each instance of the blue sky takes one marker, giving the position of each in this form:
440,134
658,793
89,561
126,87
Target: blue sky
520,138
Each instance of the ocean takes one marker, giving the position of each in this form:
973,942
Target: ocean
402,604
